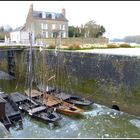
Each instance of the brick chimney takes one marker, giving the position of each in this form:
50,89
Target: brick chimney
64,12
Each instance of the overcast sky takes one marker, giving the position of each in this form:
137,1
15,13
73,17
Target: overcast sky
120,18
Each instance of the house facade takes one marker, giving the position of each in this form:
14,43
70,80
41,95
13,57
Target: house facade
19,35
42,25
46,24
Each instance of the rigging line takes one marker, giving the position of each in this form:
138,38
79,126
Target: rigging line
45,73
48,69
59,74
64,85
27,68
36,67
68,78
57,71
20,72
64,80
30,66
54,66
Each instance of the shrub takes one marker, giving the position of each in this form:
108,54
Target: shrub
52,46
1,36
124,45
74,47
112,45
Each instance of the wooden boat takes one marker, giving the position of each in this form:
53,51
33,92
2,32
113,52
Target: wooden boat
3,116
11,112
73,99
51,101
34,109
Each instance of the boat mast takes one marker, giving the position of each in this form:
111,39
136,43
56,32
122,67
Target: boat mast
30,64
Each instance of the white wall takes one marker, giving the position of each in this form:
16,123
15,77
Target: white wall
15,36
24,37
20,37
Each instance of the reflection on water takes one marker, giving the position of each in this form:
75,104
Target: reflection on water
3,131
98,122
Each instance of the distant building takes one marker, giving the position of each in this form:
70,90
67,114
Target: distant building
19,35
42,25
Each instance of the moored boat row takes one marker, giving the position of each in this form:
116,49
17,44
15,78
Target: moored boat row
52,101
9,112
34,109
70,98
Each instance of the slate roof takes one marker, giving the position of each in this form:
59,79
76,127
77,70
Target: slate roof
19,28
49,15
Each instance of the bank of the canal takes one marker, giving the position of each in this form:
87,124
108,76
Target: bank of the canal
107,77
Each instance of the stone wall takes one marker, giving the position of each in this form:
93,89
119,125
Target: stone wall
68,41
107,79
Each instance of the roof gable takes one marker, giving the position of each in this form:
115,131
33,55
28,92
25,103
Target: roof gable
49,15
19,28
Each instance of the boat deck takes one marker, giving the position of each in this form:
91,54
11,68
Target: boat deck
16,97
35,93
62,95
10,110
12,113
51,101
37,109
3,95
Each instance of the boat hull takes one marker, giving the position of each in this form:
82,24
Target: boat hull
72,99
51,101
35,110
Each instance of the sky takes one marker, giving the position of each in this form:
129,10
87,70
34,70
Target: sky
120,18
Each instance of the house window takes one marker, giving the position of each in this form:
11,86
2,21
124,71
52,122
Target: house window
45,34
17,37
44,26
63,34
53,34
62,27
53,26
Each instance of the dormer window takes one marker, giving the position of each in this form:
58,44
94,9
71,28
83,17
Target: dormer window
50,16
40,15
53,15
43,15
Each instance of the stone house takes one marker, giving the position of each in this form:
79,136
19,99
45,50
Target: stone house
42,25
46,24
